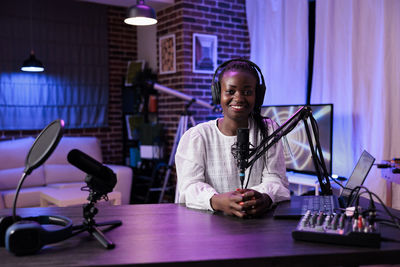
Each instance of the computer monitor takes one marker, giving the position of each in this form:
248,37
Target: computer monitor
296,146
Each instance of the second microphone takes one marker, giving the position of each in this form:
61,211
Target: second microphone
100,178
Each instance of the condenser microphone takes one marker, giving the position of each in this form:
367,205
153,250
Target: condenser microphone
242,151
100,178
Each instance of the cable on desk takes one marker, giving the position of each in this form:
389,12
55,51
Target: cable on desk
395,220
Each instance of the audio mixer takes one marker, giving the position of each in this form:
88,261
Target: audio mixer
337,228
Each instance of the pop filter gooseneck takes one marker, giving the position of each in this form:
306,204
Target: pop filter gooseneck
40,151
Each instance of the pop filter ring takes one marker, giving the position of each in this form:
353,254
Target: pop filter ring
45,150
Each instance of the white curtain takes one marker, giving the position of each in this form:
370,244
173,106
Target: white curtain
279,46
357,67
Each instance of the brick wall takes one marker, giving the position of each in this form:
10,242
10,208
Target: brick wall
122,48
224,18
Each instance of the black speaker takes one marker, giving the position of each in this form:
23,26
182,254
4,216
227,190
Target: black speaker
27,236
216,86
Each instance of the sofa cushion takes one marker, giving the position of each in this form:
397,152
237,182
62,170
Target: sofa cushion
88,145
62,173
28,197
9,178
13,152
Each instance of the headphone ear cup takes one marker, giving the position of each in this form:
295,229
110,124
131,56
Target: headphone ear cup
216,93
5,223
260,93
23,238
29,236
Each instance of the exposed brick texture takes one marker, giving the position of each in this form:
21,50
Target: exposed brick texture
224,18
122,47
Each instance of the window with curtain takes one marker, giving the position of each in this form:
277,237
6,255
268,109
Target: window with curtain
279,46
356,67
70,38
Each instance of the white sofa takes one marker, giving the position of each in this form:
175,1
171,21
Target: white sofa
56,172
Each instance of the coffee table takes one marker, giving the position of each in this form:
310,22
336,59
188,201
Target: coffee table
63,197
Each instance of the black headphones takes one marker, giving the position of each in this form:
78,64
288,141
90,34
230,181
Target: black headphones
27,235
216,86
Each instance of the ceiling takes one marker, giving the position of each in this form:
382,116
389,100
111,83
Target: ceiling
156,4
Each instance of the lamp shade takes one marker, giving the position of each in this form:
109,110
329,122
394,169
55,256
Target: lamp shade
32,64
141,15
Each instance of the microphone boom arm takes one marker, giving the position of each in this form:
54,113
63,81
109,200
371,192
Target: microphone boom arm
302,114
180,95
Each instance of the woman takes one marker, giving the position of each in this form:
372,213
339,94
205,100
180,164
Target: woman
206,169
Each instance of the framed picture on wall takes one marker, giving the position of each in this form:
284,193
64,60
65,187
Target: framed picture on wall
167,54
134,67
204,53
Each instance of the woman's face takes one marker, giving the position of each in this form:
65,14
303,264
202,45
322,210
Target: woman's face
238,94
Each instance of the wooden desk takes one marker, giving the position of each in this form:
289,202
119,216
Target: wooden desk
173,235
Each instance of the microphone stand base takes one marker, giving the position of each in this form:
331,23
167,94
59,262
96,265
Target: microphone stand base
90,225
97,233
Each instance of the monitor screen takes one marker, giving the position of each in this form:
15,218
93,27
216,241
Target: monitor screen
296,146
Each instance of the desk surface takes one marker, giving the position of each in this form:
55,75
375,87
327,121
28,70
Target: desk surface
168,234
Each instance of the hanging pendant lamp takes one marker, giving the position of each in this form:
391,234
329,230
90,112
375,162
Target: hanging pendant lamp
141,15
32,64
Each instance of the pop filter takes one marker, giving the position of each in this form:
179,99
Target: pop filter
44,145
40,151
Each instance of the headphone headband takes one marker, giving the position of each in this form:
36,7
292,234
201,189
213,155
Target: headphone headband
239,60
216,86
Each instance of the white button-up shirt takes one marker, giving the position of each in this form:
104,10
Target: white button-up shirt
205,166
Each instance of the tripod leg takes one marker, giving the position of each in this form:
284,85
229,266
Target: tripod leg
107,243
113,223
192,121
94,231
